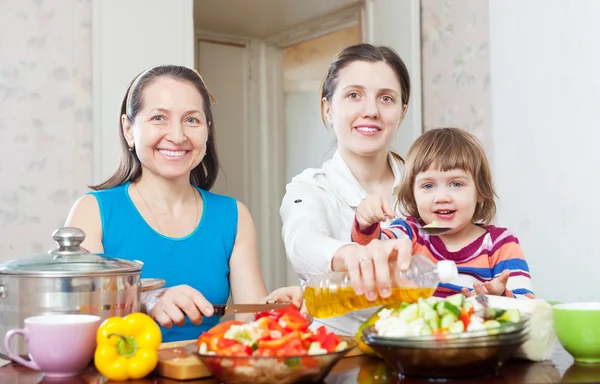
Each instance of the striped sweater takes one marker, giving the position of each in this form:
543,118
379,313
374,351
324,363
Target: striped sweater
480,261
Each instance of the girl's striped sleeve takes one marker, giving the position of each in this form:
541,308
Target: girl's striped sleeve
395,230
506,253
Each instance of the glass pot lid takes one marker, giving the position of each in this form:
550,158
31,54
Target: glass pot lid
68,258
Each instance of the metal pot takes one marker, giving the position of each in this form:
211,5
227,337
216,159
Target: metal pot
67,279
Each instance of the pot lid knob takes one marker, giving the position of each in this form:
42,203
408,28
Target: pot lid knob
69,240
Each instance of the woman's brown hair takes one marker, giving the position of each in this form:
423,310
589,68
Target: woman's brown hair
371,54
130,169
445,149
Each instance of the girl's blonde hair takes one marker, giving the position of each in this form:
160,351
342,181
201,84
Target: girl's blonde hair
446,149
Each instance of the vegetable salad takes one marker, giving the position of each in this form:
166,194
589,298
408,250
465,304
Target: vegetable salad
282,332
432,316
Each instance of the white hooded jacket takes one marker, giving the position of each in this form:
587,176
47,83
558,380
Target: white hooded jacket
317,213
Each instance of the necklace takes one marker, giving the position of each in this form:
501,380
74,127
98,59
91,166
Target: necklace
154,217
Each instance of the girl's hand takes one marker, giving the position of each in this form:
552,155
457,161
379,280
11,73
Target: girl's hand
496,287
373,209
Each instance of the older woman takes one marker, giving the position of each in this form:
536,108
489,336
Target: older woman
157,207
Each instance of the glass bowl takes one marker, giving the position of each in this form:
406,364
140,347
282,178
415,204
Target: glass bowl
449,356
274,369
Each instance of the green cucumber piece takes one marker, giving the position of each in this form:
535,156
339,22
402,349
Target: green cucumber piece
510,316
467,306
426,331
447,320
432,319
457,300
445,307
432,301
409,313
492,327
492,313
457,327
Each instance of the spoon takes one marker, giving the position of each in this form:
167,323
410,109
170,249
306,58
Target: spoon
435,231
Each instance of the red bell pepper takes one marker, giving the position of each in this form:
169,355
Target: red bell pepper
275,314
465,316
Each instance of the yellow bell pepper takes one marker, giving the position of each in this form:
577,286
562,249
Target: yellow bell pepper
127,347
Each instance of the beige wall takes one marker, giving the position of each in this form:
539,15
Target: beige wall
45,99
306,63
456,66
45,118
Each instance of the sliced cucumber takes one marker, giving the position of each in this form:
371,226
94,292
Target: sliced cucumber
432,301
492,327
432,319
457,299
447,320
510,316
424,306
457,327
426,331
445,307
467,306
434,324
492,313
409,313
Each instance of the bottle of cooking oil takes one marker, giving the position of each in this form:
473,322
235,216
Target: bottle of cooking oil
332,295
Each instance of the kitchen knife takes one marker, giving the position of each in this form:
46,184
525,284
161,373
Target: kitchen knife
230,309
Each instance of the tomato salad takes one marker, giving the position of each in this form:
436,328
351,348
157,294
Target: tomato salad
281,332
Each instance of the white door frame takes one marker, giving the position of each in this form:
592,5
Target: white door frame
265,164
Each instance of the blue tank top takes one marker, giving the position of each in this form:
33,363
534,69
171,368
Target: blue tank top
200,260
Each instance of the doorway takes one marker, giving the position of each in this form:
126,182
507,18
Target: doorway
273,72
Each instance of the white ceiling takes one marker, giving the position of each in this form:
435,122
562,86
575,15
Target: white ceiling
261,18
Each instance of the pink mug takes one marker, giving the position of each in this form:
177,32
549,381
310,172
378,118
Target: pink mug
59,345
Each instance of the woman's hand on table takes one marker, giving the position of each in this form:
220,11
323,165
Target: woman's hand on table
371,267
294,295
175,303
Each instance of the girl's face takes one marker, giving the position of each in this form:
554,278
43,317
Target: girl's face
366,108
449,198
170,131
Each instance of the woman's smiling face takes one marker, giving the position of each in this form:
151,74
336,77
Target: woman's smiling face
366,107
170,131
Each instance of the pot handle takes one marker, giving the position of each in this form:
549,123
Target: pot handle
14,357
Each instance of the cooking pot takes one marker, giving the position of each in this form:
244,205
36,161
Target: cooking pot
68,279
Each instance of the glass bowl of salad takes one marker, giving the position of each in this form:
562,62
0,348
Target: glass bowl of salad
446,338
277,347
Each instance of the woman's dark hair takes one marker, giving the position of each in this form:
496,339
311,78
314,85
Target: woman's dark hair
130,167
371,54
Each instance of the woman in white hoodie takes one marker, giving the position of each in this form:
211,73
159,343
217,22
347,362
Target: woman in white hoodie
364,99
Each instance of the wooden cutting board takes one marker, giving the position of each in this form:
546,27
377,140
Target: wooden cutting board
174,362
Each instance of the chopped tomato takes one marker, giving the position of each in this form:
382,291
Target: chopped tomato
223,327
292,322
280,342
465,316
275,314
236,350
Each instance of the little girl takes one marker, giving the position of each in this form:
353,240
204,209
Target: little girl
447,181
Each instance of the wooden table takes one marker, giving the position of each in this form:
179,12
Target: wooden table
362,370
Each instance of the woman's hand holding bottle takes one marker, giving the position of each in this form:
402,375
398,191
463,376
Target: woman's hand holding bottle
371,267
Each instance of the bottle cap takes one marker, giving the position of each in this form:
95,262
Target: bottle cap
447,271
